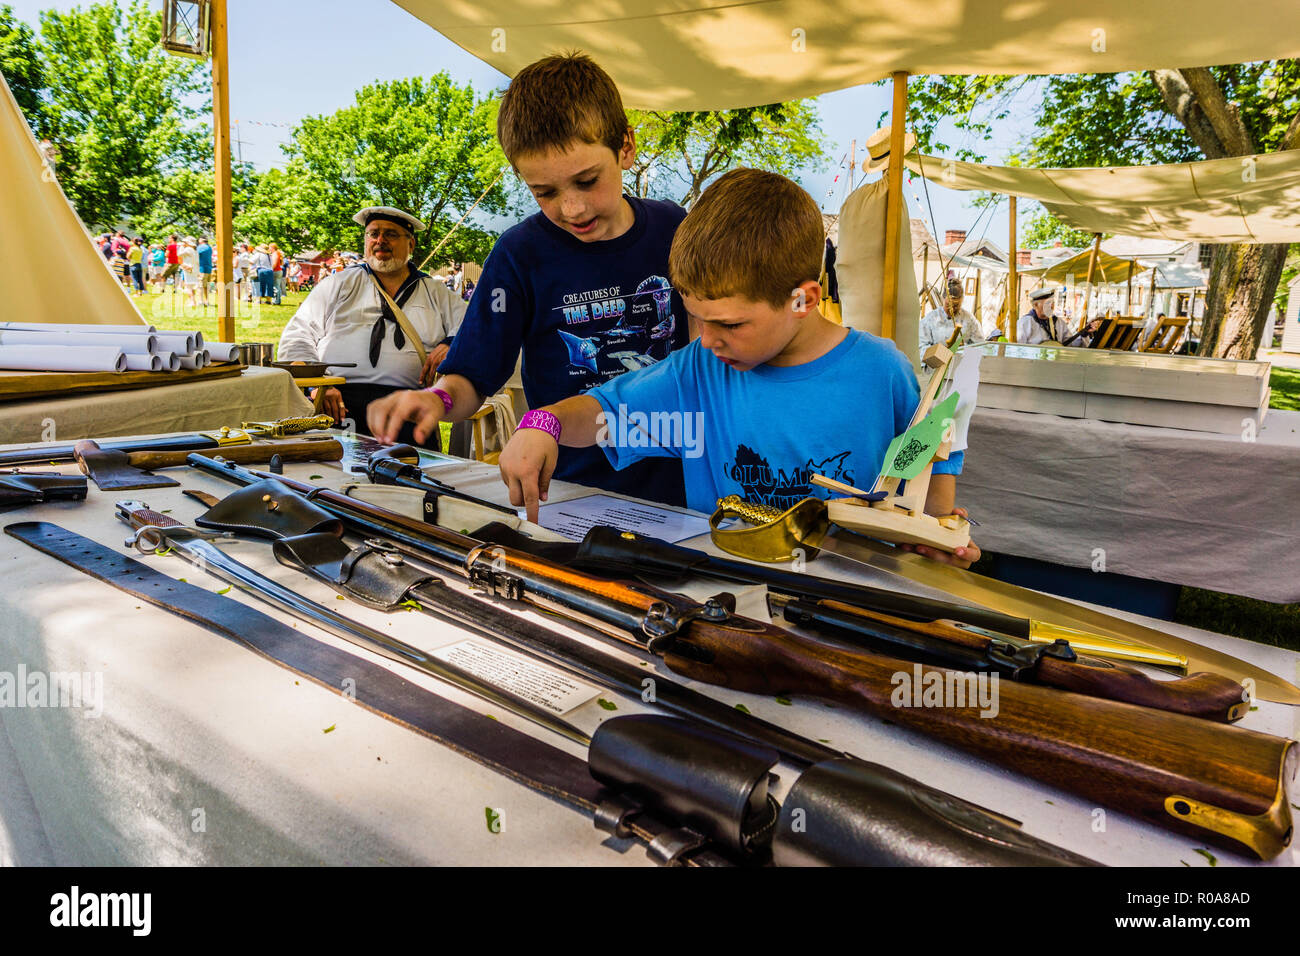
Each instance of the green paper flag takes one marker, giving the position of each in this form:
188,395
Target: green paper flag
909,453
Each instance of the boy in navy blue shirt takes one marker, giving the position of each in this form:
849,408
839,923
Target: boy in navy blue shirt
769,394
582,285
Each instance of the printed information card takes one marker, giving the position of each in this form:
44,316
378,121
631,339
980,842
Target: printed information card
520,675
576,517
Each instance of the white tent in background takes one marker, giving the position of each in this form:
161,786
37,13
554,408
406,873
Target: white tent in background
1237,199
53,273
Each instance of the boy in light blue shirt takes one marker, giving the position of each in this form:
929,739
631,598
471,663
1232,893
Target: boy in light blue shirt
768,395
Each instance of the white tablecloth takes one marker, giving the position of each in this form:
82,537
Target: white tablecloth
1206,510
191,722
258,394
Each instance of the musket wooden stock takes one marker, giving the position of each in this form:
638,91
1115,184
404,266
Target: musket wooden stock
327,450
1221,784
1204,695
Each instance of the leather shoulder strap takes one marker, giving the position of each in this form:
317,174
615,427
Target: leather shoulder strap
402,320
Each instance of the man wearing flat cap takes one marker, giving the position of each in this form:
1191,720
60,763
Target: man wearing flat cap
937,325
1041,326
371,313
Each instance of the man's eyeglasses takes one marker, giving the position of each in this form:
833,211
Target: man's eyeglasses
389,234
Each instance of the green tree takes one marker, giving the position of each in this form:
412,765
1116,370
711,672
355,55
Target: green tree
119,110
184,202
1161,116
678,154
21,65
424,145
1045,230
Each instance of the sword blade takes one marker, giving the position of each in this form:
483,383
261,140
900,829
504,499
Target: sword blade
1010,599
220,565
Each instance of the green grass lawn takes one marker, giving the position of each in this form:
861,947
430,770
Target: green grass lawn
1277,624
1285,383
253,322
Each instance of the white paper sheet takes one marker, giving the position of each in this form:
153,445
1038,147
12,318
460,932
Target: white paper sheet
144,363
222,351
58,358
127,342
575,517
198,359
965,380
74,327
522,676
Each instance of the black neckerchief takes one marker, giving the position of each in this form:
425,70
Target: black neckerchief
378,331
1045,325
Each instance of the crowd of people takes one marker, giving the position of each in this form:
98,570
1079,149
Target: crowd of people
186,265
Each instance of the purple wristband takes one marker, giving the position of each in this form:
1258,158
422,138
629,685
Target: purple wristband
446,399
543,420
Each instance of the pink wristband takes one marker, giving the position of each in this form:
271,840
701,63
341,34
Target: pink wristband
543,420
446,399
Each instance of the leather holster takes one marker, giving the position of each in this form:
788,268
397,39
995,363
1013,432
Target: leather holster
712,782
269,510
375,576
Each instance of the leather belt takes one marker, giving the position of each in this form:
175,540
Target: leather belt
516,755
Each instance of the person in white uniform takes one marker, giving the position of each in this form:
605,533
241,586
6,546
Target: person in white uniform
347,318
937,325
1040,325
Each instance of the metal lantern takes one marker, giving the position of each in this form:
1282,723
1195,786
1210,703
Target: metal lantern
186,27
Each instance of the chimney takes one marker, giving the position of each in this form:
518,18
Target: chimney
1024,257
954,235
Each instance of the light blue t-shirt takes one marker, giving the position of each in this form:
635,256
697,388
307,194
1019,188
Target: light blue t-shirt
761,434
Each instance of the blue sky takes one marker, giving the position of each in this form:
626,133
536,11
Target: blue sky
292,58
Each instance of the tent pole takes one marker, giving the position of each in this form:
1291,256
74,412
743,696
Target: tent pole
1128,294
925,272
979,316
221,137
894,212
1092,268
1013,300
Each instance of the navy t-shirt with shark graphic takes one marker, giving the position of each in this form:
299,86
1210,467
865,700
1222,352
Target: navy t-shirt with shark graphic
584,313
763,433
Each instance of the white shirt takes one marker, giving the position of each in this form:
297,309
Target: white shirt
936,329
1029,332
336,319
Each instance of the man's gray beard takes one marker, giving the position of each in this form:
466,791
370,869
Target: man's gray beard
391,265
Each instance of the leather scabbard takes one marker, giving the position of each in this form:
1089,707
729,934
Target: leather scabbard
516,755
851,813
30,488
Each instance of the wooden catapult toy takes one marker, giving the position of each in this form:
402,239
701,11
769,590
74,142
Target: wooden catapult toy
883,512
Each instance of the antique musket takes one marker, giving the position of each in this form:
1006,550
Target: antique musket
805,527
916,628
1221,784
224,436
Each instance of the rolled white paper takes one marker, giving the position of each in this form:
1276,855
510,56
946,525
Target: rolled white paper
171,362
136,362
62,358
126,342
199,359
222,351
180,342
74,327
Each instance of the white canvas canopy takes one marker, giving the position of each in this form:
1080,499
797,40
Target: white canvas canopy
722,54
52,271
1238,199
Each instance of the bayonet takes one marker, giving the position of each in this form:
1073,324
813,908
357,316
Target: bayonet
157,532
